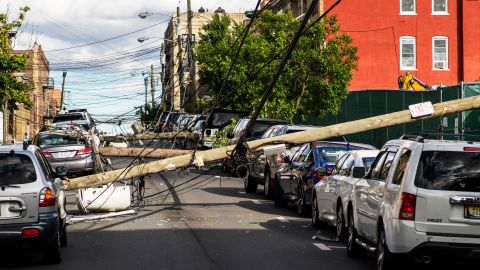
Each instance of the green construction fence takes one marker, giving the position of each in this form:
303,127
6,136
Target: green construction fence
368,103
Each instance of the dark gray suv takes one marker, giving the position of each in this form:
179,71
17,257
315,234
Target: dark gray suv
32,202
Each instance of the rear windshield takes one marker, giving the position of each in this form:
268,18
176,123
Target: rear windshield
58,139
68,118
258,129
332,154
447,170
16,169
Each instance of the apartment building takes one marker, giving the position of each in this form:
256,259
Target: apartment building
435,40
177,59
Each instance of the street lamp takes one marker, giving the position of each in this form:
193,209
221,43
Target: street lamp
142,39
144,15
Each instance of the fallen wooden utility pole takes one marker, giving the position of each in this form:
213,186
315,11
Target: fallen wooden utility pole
148,136
381,121
142,152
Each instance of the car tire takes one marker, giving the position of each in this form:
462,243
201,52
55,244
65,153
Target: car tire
340,224
278,200
267,187
51,252
250,185
353,249
302,206
316,223
385,259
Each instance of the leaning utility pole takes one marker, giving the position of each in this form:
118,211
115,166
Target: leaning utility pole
63,88
193,67
152,85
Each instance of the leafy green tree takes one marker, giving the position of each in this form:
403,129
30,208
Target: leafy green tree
148,114
314,81
12,90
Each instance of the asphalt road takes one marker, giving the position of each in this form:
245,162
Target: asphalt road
206,222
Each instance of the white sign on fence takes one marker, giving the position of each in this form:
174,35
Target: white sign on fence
421,109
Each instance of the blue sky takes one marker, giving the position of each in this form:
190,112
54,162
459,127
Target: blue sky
104,77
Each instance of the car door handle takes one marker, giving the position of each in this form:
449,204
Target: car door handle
17,209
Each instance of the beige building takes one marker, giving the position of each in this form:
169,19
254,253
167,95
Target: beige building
37,73
177,66
297,7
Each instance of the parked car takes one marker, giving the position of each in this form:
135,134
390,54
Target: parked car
32,202
295,178
161,121
220,119
166,121
262,167
259,127
330,196
63,149
419,200
78,117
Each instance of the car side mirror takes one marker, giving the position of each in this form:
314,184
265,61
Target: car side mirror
358,171
230,135
61,171
287,159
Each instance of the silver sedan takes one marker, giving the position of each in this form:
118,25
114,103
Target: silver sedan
331,194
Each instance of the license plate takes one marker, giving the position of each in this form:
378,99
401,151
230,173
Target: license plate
63,154
472,211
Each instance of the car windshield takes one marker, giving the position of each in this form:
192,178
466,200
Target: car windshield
448,170
367,162
16,169
59,139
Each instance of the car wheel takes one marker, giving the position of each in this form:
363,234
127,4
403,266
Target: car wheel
278,195
250,185
340,224
267,187
302,207
51,252
315,220
353,249
384,257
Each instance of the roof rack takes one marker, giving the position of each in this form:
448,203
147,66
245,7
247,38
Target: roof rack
412,137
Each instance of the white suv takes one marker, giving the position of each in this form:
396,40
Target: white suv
421,198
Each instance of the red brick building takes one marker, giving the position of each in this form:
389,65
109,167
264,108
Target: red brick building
436,40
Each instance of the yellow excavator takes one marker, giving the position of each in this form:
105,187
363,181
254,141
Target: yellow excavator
410,82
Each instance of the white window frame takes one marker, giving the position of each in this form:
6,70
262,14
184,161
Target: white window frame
446,52
405,38
414,12
440,12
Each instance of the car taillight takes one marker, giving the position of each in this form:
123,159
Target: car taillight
30,232
471,149
317,177
86,150
47,197
47,154
407,211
